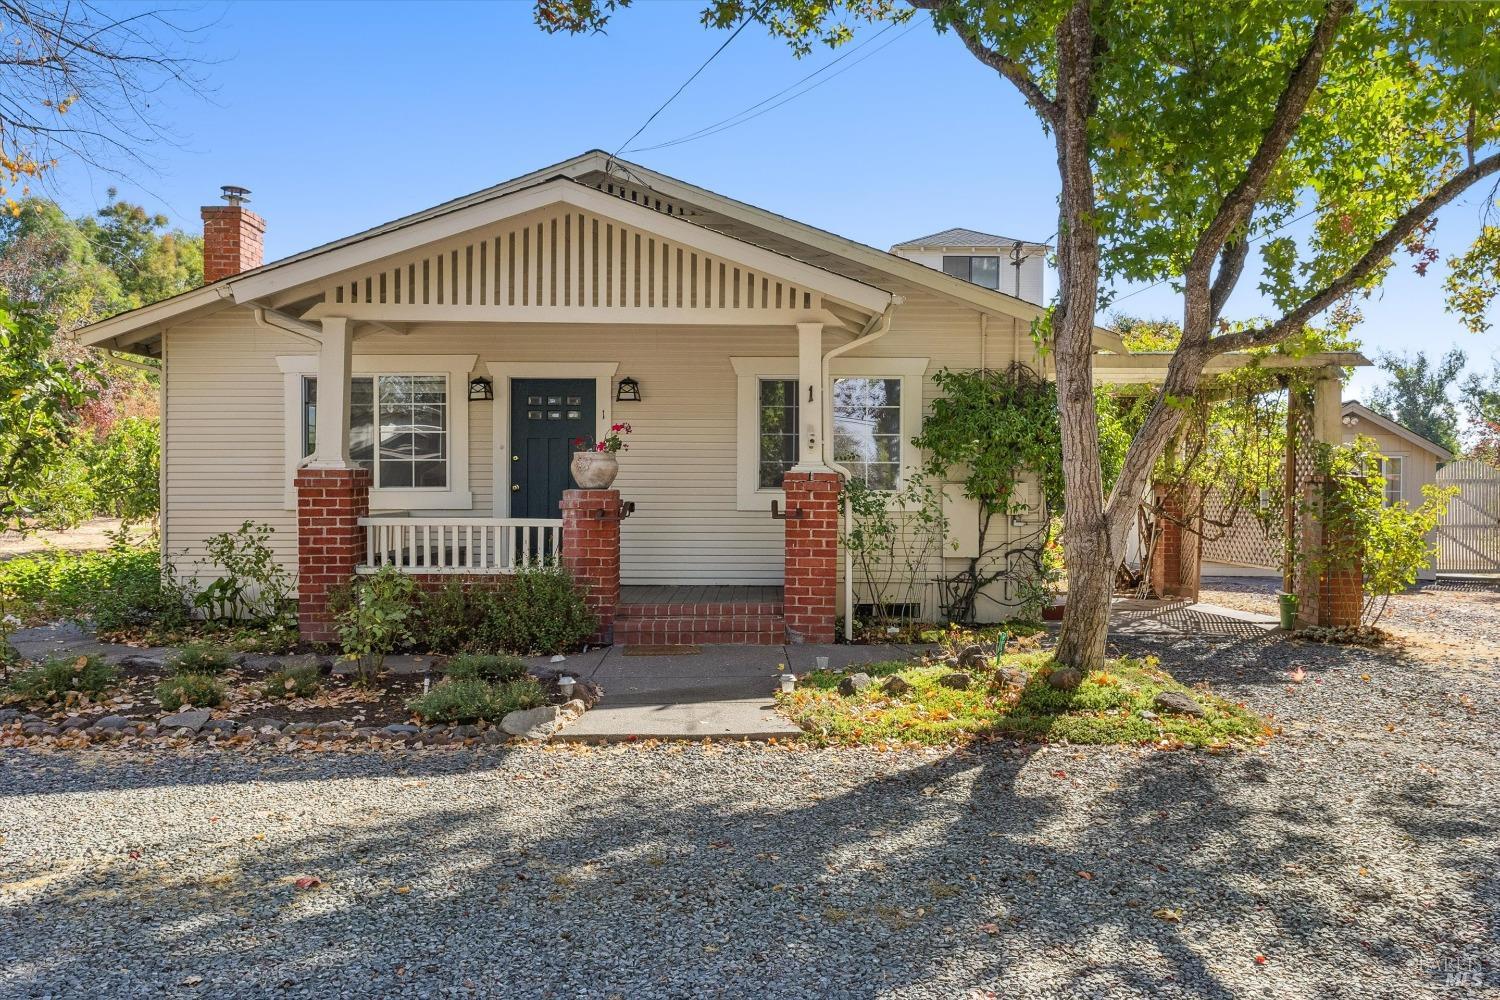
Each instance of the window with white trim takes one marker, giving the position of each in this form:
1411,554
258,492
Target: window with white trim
1390,468
777,430
978,270
398,428
867,432
873,408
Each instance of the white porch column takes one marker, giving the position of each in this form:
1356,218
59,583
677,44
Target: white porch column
810,402
335,362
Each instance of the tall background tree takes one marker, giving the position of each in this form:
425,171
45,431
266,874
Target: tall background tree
79,82
1415,395
1323,134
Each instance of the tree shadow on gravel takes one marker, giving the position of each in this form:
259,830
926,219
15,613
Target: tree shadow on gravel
1040,871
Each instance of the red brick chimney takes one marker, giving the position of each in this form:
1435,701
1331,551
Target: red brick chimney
232,236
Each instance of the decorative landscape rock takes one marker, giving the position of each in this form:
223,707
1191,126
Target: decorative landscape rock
855,684
265,725
1065,679
956,681
1176,701
113,723
895,686
221,727
972,657
541,723
192,719
9,715
1011,677
142,661
400,729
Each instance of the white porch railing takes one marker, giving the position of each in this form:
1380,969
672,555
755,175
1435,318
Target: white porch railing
459,544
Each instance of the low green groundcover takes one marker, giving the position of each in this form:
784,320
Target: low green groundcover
1106,708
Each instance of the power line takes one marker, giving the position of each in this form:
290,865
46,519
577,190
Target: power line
743,116
817,72
732,36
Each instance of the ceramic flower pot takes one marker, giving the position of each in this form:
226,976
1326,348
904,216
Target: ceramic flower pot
594,470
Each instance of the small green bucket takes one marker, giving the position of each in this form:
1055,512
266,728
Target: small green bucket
1288,605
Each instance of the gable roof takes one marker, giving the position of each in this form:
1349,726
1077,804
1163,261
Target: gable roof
960,237
1355,408
617,178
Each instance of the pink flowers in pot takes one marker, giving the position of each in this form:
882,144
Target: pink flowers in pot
609,444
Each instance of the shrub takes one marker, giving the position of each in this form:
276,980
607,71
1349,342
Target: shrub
375,620
200,658
253,585
124,470
450,618
468,700
55,679
120,587
540,611
195,690
482,667
294,682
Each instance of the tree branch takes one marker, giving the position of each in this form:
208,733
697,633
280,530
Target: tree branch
1231,263
1373,257
1008,68
1234,211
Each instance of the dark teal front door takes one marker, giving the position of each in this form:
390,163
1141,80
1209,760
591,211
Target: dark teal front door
546,415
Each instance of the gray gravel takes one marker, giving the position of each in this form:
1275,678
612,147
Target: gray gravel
1355,854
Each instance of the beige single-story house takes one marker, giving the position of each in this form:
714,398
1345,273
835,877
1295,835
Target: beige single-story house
1408,461
409,395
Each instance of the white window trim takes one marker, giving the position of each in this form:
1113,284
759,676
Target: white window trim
1400,460
458,495
502,372
749,371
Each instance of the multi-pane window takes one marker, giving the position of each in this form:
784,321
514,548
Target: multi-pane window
980,270
1390,468
778,431
867,429
398,428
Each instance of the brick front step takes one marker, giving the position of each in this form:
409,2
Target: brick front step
674,624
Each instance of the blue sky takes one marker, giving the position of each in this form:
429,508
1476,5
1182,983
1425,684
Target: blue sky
341,116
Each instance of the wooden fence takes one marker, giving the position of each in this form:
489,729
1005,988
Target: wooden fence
1468,535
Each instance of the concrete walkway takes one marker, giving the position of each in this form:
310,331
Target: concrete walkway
721,692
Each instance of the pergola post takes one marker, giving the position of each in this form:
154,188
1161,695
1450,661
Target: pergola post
1330,598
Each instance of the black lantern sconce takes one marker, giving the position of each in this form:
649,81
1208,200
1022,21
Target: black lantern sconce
629,391
481,388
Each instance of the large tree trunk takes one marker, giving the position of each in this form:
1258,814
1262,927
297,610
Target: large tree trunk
1086,537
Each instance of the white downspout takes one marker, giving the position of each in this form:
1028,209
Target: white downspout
878,327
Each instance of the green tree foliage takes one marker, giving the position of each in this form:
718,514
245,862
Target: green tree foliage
40,399
1185,135
1416,394
102,458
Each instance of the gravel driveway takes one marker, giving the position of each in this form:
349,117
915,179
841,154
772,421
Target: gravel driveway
1353,857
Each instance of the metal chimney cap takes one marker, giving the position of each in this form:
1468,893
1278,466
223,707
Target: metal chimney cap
234,194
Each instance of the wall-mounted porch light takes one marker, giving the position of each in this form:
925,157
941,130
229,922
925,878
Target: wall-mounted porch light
629,391
481,388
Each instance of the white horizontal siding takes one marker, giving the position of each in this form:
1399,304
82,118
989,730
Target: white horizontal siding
225,412
223,438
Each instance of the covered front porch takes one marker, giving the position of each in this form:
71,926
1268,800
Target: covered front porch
518,336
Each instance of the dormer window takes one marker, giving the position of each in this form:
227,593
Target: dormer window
983,271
